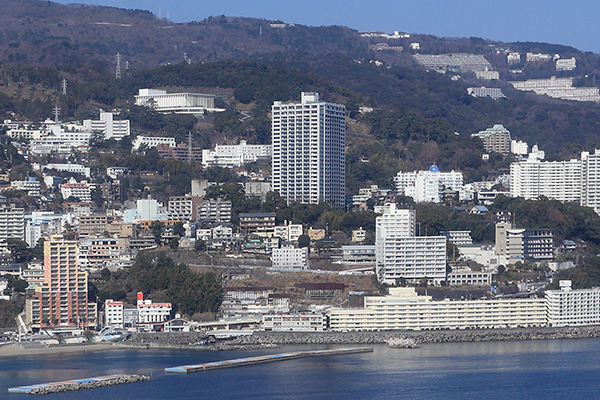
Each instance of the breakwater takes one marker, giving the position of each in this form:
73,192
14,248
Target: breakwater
78,384
441,336
239,362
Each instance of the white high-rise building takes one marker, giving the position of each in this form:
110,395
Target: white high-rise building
557,180
590,183
309,139
402,255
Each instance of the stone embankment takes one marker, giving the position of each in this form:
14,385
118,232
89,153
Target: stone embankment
92,384
475,335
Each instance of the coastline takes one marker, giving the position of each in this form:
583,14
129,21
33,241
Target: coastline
14,350
268,340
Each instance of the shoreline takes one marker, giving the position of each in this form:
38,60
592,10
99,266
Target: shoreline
268,340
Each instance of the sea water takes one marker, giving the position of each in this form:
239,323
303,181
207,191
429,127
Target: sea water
548,369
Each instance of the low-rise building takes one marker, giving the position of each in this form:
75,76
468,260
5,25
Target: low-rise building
113,312
294,322
289,258
149,312
404,309
261,224
567,307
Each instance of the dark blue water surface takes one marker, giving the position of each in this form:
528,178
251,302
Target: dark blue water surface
552,369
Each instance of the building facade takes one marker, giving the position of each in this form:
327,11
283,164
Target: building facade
567,307
308,139
496,139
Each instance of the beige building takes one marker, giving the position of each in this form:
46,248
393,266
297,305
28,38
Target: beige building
496,139
404,309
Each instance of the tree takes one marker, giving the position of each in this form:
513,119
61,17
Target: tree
178,229
303,241
19,250
156,227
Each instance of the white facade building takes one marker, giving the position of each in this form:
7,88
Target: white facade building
402,255
427,186
81,190
74,168
113,312
308,163
149,312
31,186
294,322
289,258
404,309
180,103
150,142
235,155
107,126
568,307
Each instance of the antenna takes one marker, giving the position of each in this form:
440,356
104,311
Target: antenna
56,111
186,58
159,12
118,70
127,66
63,86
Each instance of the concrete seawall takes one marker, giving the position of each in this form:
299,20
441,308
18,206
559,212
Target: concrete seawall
475,335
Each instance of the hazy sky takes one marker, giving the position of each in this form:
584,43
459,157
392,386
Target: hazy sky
573,23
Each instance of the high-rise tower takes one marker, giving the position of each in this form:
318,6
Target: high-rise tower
309,139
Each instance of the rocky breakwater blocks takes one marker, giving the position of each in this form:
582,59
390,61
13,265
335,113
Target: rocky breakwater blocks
78,384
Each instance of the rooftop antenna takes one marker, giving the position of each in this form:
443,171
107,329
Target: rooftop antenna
63,86
56,111
118,70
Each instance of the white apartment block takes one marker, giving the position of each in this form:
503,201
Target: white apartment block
116,172
107,126
308,163
81,190
458,237
537,57
513,58
487,75
235,155
30,186
12,223
566,64
312,322
567,307
453,62
289,258
560,88
573,180
149,142
113,312
493,93
149,312
218,210
74,168
289,232
427,186
396,222
27,134
181,208
404,309
179,103
519,147
51,145
461,277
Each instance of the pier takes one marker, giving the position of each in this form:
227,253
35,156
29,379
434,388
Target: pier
78,384
239,362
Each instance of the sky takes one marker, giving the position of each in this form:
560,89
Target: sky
573,23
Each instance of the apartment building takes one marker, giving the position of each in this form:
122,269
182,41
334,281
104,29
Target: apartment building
290,258
12,224
308,163
568,307
235,155
107,126
113,312
404,309
495,139
151,141
427,186
217,210
513,245
63,298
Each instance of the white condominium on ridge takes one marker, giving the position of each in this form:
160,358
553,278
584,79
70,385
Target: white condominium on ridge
308,139
573,180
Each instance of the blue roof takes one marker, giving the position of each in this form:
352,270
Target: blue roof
482,208
434,168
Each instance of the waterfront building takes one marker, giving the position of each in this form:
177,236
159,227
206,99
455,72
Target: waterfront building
308,163
311,322
62,301
404,309
567,307
113,312
149,312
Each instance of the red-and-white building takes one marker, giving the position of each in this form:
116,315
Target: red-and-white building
149,312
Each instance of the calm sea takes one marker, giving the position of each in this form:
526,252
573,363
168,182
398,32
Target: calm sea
552,369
